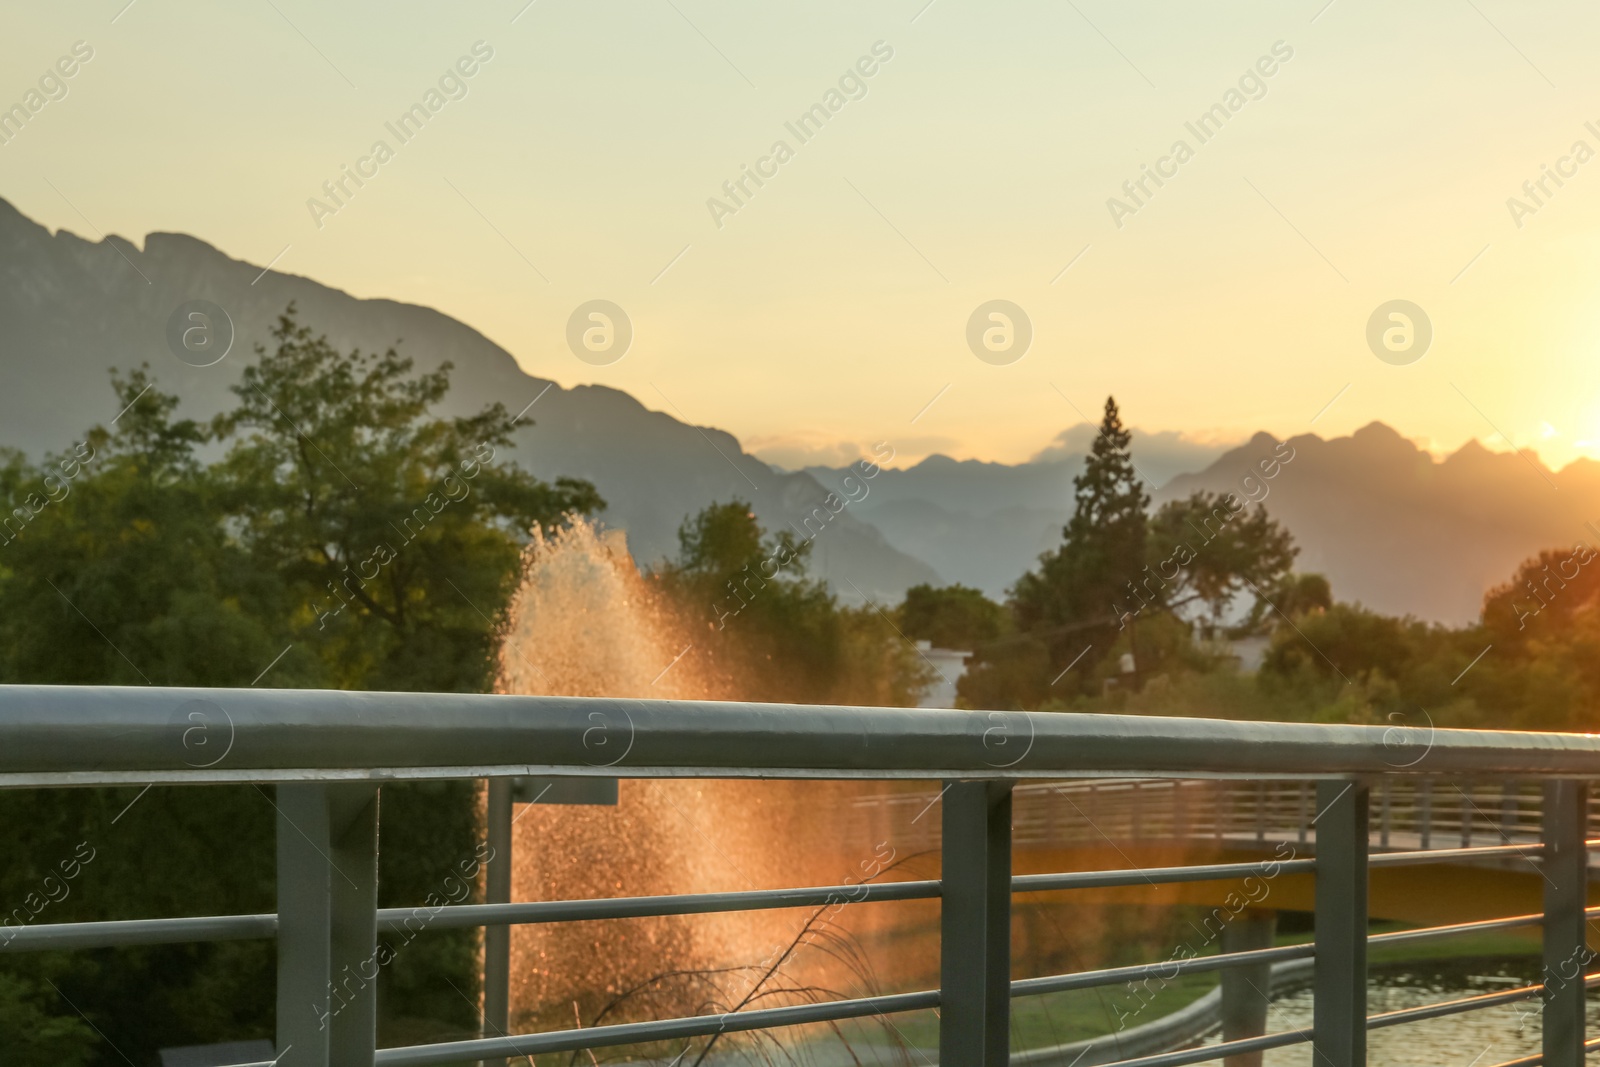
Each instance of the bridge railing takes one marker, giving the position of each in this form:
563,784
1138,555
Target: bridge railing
1406,813
328,754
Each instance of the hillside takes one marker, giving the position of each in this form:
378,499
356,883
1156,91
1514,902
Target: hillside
1404,533
74,308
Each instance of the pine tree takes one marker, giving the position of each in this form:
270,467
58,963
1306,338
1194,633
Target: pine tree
1103,549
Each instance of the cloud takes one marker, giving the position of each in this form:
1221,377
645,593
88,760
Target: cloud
1161,455
791,452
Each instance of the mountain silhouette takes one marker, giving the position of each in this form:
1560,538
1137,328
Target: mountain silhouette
1391,526
1404,533
73,308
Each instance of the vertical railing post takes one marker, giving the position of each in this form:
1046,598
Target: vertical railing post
975,926
1339,1010
1566,947
327,924
497,890
1465,789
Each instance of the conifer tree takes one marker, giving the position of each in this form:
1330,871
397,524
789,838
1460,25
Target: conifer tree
1103,546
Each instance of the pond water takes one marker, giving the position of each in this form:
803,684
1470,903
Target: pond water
1487,1036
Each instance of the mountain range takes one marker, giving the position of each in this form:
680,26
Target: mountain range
71,309
1392,526
1405,533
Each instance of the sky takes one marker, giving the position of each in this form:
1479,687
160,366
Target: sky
829,307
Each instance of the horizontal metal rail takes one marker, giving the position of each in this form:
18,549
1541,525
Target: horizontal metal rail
1217,1052
1167,970
555,911
189,929
108,735
119,933
1442,855
1040,883
123,932
453,916
663,1030
1429,933
1453,1007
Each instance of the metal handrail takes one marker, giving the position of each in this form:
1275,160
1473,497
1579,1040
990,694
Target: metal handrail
112,735
328,752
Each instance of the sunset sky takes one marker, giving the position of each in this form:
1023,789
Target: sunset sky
830,310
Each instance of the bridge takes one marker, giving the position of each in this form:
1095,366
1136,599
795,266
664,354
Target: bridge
1316,815
1422,834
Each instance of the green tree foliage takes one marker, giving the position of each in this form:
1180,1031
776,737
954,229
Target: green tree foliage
1125,582
34,1033
127,578
954,616
1104,543
1291,596
1207,550
1011,674
1530,662
771,632
347,538
397,550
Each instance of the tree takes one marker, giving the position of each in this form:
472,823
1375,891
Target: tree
1207,550
1103,547
772,633
1117,570
1072,599
396,535
118,570
1548,595
1292,596
955,616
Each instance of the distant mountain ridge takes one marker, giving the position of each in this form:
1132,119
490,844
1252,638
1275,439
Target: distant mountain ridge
982,524
71,309
1403,532
1391,526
